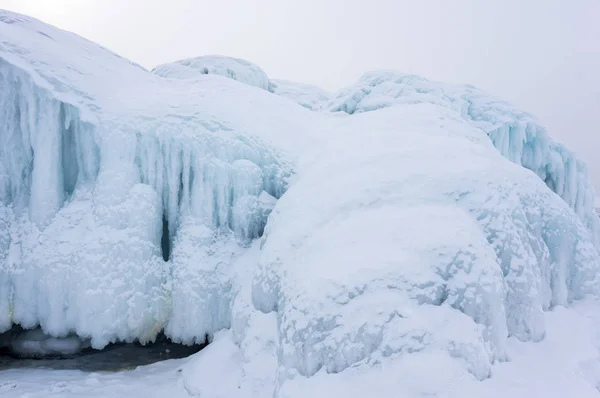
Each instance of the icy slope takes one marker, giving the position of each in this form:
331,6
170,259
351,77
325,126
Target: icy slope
133,203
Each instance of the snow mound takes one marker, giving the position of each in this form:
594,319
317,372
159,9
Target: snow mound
516,134
131,204
441,251
306,95
233,68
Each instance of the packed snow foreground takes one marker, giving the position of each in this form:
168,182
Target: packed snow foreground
395,223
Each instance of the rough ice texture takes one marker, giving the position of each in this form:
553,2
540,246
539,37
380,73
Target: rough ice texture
233,68
131,203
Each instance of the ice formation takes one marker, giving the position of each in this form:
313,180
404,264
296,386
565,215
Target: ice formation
309,96
425,220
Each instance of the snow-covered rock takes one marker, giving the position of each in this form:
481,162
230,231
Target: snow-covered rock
427,228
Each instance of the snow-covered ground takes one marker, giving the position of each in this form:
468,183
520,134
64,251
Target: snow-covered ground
565,364
398,238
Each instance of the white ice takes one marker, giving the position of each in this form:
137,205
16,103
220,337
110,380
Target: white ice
425,225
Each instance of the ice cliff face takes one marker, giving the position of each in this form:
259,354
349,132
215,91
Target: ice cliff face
100,175
430,220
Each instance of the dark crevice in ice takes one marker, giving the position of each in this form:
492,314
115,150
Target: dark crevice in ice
70,167
165,240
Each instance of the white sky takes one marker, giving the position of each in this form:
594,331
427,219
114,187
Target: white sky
542,55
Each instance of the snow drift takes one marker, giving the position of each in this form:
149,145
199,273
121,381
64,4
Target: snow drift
430,221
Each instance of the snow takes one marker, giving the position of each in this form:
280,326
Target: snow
427,230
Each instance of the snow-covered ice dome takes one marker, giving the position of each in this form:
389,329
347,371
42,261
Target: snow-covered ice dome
309,96
426,222
233,68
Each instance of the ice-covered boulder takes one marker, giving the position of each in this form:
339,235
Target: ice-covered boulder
409,234
233,68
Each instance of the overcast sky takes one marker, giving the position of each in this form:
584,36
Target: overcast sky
542,55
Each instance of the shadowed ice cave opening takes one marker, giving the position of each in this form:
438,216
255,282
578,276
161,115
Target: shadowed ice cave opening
26,349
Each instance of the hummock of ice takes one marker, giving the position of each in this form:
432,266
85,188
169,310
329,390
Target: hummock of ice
233,68
131,203
309,96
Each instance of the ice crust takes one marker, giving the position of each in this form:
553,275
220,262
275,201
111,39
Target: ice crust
424,221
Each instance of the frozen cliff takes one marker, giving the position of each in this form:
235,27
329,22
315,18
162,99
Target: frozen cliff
425,221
